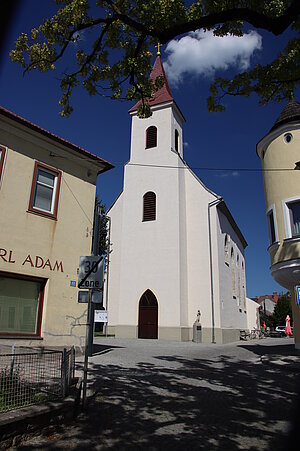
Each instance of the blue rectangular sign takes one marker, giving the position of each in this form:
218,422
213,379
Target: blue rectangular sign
298,294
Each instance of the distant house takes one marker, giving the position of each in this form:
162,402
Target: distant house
267,303
176,248
47,194
279,153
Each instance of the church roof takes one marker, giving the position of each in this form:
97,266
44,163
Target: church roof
163,94
290,113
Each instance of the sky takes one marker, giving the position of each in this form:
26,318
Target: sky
217,146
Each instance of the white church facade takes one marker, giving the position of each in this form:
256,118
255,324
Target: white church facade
175,247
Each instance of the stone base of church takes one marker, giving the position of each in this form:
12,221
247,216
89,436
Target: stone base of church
222,336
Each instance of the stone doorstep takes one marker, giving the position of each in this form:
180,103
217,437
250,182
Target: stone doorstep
16,424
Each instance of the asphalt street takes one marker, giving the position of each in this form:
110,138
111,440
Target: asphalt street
160,395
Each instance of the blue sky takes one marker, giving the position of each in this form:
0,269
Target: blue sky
221,140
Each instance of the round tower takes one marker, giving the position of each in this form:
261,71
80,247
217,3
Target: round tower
279,152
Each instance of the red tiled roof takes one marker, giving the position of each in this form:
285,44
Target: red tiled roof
164,93
80,150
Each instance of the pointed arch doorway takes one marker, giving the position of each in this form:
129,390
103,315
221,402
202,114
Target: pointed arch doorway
148,316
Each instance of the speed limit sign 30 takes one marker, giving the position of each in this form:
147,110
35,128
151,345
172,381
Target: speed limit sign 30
90,273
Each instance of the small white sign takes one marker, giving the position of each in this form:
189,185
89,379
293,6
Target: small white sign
100,316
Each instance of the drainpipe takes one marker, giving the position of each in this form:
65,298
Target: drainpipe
211,204
107,270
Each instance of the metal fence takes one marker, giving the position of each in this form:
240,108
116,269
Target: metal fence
32,376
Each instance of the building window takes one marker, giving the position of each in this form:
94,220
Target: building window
2,158
271,226
226,253
291,212
149,206
45,190
151,137
176,140
233,274
288,137
21,302
294,214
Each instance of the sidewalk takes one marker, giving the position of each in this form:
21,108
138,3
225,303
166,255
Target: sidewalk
154,395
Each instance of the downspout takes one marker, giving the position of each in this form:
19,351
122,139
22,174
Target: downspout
211,204
107,269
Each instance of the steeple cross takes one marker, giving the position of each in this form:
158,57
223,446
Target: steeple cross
158,46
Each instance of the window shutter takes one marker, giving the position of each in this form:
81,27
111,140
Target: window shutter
149,206
151,137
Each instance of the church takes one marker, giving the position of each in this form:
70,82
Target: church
177,254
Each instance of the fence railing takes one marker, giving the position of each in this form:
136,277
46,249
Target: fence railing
31,376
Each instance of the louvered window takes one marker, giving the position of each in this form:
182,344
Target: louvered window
151,137
149,206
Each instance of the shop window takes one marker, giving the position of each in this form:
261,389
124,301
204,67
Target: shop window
21,301
149,206
151,137
45,190
2,158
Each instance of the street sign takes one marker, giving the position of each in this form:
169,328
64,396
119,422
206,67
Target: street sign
90,273
298,294
100,316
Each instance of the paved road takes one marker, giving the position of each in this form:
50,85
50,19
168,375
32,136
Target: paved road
156,395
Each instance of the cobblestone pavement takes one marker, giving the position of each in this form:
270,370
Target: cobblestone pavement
155,395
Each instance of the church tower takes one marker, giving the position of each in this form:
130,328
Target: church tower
160,271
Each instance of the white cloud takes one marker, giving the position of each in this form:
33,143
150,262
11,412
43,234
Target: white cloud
202,53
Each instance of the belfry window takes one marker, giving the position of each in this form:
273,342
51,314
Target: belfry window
151,137
149,206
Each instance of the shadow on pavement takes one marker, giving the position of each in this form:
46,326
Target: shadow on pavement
220,404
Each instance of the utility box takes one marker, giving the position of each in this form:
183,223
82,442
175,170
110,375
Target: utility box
197,333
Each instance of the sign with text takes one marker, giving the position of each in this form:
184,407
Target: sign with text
90,274
298,294
100,316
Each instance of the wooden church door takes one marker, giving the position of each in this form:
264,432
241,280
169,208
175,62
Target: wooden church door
148,316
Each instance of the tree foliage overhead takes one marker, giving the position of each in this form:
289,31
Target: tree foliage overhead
115,60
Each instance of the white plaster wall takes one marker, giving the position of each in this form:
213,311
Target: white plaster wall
111,298
197,198
147,254
252,309
230,314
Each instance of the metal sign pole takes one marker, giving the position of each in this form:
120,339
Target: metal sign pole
86,352
89,328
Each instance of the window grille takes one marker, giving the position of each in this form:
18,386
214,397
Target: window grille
149,206
151,137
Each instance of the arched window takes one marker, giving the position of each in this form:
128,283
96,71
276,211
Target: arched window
226,244
151,137
149,206
176,140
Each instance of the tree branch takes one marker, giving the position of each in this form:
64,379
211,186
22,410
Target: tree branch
275,25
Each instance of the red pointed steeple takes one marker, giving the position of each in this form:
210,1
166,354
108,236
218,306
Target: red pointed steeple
164,93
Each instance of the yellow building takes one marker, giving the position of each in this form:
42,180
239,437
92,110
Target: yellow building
279,152
47,194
